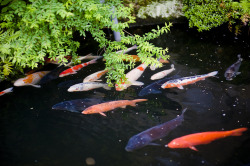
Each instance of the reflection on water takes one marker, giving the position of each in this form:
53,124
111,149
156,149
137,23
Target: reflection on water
32,133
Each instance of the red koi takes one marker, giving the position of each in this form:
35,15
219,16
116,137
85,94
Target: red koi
74,69
186,80
189,141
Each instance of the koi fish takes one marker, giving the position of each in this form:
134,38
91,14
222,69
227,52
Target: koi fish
74,69
125,51
163,61
163,73
157,132
107,106
232,71
95,76
6,91
129,49
31,79
155,87
132,76
86,57
86,86
186,80
153,67
54,74
189,141
76,105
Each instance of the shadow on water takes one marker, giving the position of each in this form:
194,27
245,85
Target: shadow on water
32,133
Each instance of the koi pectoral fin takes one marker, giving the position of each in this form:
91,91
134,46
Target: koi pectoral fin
180,87
102,114
238,73
36,86
137,83
154,144
193,148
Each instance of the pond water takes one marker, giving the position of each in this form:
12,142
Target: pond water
32,133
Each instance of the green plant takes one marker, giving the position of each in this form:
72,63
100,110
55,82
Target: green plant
34,29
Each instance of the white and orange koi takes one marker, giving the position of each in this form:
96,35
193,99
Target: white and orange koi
163,73
74,69
95,76
31,79
6,91
132,76
107,106
186,80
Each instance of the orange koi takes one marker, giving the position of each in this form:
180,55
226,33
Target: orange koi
132,76
6,91
74,69
95,76
107,106
31,79
189,141
186,80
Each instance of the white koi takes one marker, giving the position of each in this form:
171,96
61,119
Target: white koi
86,86
163,73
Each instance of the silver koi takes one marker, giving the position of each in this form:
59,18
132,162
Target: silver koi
232,71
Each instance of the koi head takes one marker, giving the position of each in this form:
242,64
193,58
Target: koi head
229,74
19,82
138,141
178,144
64,73
75,88
89,110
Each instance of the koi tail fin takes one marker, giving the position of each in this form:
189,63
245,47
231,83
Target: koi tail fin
137,100
212,73
172,66
140,100
238,132
93,61
134,47
183,111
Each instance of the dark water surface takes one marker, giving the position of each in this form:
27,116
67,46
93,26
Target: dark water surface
31,133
